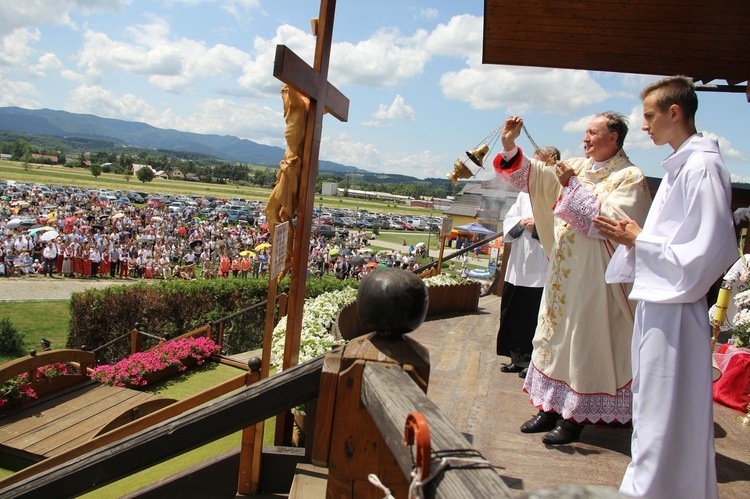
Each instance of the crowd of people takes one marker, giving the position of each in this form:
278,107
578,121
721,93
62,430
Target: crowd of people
57,236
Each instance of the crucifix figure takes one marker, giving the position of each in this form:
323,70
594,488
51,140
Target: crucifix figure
324,97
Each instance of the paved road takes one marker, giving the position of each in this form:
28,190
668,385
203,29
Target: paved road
54,288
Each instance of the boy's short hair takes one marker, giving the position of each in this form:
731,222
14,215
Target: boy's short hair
678,90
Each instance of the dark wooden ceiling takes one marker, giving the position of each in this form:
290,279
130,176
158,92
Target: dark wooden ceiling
705,39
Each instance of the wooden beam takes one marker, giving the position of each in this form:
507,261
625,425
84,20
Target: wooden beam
292,70
389,395
192,429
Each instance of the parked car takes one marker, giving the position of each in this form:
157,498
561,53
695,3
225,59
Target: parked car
155,202
324,230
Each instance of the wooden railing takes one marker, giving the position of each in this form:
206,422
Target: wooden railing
185,431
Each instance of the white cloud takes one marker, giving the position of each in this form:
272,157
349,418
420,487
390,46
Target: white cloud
386,59
518,90
169,63
342,149
15,47
427,13
461,37
241,8
226,117
18,93
257,78
211,116
398,110
21,14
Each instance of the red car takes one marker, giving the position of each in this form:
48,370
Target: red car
155,202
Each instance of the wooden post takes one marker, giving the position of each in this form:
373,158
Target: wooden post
347,438
136,341
252,443
440,257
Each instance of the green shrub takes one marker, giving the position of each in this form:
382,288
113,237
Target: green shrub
173,308
11,339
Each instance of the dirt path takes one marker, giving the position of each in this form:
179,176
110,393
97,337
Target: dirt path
54,288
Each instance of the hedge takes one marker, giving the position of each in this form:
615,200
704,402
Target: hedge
172,308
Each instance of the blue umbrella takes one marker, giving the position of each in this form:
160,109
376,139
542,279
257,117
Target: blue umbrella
475,228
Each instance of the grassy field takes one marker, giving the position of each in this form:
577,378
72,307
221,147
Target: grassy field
46,174
37,320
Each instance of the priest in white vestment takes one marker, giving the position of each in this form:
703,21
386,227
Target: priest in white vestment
580,366
686,244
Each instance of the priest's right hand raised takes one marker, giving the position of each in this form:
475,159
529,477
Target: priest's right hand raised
511,131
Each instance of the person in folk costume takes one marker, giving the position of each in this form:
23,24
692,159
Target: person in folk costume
236,265
124,261
224,265
245,266
524,279
67,266
687,242
580,366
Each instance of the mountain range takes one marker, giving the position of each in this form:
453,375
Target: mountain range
127,133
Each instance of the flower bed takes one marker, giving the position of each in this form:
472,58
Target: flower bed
19,390
317,318
144,368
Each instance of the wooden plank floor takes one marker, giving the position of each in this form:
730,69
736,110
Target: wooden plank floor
59,422
489,406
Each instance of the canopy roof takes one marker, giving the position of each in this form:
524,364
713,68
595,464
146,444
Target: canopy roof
707,41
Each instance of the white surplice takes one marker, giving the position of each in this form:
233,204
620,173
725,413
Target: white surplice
687,243
581,360
527,264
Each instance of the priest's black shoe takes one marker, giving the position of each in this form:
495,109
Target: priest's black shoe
510,368
543,421
564,433
523,372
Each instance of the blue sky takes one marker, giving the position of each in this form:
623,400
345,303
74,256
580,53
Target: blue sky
412,69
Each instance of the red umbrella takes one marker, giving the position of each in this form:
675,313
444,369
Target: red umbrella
70,220
370,265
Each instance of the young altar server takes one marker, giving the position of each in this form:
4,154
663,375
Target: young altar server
687,242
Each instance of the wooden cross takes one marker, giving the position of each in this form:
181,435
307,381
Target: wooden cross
312,82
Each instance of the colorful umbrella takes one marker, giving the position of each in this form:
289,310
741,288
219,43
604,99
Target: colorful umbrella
247,253
334,251
39,229
49,235
262,246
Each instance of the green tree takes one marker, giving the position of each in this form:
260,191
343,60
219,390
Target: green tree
96,169
11,339
145,174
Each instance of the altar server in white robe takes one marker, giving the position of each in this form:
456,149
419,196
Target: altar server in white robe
686,244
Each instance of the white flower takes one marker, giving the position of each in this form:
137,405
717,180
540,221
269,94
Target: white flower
317,317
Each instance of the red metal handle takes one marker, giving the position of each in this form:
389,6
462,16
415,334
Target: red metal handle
417,429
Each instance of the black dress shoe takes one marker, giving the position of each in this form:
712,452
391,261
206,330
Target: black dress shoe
523,372
510,368
564,433
543,421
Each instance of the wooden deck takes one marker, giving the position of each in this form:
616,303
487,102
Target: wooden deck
489,406
68,418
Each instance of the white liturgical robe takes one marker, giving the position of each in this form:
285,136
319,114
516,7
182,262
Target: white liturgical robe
527,264
687,243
